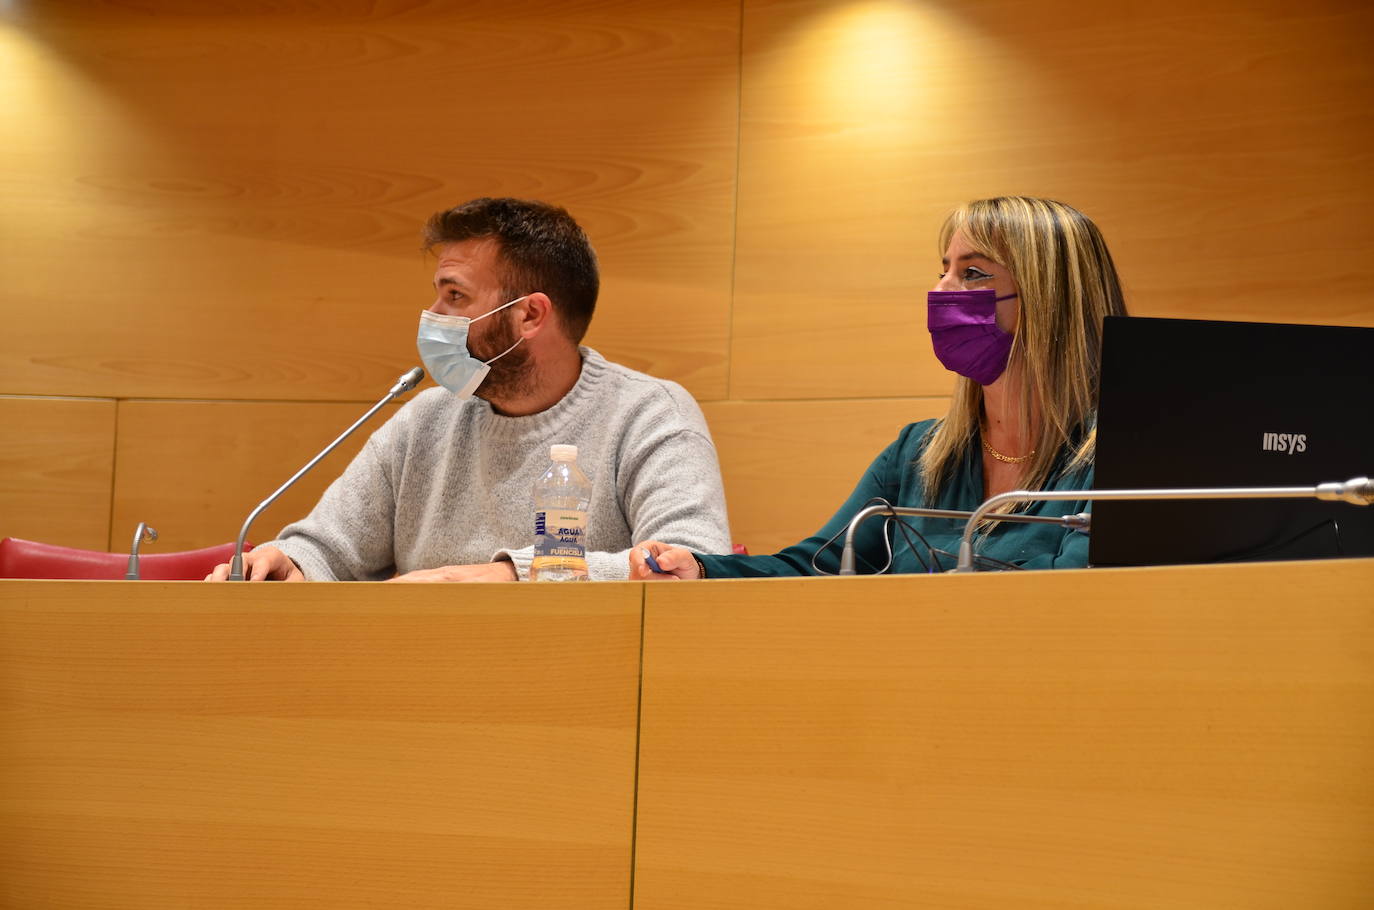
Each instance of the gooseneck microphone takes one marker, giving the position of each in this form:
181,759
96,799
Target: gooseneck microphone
141,533
404,384
847,554
1358,491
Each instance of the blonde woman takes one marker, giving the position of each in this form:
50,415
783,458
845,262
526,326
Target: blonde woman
1017,314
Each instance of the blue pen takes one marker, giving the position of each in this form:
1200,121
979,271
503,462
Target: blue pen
653,563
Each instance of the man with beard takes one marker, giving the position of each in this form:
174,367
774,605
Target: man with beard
442,492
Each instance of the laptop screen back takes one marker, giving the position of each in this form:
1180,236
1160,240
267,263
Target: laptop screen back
1193,403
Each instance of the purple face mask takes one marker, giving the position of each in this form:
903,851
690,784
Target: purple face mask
963,329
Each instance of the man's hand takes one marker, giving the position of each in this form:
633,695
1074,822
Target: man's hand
262,564
677,563
490,571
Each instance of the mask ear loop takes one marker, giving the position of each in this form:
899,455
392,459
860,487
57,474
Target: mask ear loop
505,352
498,309
517,341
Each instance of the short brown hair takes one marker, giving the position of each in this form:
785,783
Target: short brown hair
542,249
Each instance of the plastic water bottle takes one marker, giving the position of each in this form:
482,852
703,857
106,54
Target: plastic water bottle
561,498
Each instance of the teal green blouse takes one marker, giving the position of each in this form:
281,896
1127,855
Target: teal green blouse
895,476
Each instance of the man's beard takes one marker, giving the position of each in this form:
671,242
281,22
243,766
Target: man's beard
512,376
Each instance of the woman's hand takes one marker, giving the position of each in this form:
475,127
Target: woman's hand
675,563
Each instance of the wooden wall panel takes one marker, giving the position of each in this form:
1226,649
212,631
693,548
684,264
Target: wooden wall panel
195,469
220,201
788,465
223,201
1227,156
56,469
173,745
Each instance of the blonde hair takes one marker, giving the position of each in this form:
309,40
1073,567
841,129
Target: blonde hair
1066,283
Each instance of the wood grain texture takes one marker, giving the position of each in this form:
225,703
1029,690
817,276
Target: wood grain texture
178,744
195,469
220,201
1166,738
251,212
788,465
56,470
1226,155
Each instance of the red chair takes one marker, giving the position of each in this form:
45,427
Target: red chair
30,559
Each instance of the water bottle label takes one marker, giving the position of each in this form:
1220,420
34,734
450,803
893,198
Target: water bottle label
560,533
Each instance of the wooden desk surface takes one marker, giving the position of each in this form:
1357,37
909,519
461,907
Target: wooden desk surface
183,745
1196,737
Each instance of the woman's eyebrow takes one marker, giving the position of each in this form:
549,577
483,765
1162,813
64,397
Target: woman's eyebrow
966,257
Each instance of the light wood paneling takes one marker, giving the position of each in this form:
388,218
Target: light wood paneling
1163,738
246,224
788,465
344,746
56,465
244,227
195,469
1227,156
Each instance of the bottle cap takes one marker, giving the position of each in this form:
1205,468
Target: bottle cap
563,453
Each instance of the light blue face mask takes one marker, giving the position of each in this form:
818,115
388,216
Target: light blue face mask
443,344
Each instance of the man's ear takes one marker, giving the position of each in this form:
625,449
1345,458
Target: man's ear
534,315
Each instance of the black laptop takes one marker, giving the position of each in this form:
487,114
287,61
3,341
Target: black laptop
1194,403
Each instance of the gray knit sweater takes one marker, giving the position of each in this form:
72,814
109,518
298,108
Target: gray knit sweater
447,482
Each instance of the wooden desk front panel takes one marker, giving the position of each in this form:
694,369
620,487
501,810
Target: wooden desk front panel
1194,737
179,745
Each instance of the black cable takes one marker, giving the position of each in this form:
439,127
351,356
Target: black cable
876,500
998,562
904,526
987,560
906,529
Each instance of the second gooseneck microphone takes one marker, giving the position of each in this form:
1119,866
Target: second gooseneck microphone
407,382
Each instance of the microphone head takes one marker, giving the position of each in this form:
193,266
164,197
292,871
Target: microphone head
409,381
1358,491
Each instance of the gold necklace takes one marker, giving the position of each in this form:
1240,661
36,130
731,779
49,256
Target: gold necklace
1009,459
